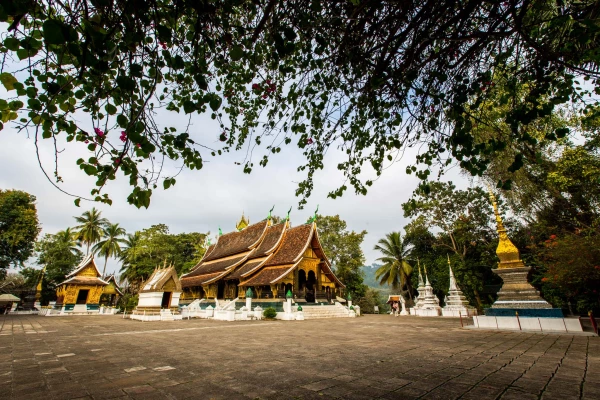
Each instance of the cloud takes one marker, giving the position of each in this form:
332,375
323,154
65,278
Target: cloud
201,201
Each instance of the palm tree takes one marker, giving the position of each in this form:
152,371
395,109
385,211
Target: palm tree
128,257
90,228
395,270
68,238
111,245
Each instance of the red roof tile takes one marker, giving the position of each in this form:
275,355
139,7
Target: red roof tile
271,240
244,269
293,245
237,242
266,276
216,266
198,280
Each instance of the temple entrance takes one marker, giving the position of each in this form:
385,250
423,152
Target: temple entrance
311,280
301,279
221,290
166,300
82,296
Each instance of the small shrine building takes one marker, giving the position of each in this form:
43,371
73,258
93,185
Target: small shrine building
161,291
112,291
268,258
82,289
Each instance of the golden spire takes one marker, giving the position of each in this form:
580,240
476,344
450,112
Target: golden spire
507,252
243,222
38,289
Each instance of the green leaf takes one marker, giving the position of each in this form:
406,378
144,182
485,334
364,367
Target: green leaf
53,32
122,121
77,201
236,53
8,80
11,43
111,109
215,103
167,183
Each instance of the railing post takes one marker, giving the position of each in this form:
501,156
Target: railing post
518,321
461,321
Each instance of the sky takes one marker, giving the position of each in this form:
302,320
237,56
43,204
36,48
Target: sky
216,196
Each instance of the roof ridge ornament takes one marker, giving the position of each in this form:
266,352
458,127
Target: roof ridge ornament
313,219
270,211
242,223
220,231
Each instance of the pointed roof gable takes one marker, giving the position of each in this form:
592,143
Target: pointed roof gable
160,278
238,242
86,267
112,283
295,241
86,273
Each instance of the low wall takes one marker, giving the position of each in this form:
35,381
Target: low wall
531,324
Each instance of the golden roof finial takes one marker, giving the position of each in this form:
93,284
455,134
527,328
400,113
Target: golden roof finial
507,252
242,223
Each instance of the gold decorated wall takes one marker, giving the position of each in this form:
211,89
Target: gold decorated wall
69,293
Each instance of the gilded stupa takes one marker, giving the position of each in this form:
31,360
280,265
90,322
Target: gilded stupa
516,292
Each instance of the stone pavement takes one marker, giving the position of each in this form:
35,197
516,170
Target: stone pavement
378,356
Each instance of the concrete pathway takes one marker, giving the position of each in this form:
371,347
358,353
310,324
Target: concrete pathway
104,357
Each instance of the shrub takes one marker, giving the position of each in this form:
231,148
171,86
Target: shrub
269,313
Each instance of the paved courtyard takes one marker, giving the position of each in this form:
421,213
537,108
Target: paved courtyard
102,357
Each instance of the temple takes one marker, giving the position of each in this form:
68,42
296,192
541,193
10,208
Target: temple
516,292
112,291
159,296
82,289
270,259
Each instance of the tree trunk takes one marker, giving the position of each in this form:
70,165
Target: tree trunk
479,304
104,270
87,252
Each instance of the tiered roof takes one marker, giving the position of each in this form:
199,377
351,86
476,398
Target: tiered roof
161,278
86,273
260,254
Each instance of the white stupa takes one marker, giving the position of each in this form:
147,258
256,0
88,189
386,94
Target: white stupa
456,302
428,305
421,293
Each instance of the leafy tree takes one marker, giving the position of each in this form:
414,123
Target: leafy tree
463,218
58,254
91,227
395,270
372,77
13,283
152,247
19,227
572,275
342,247
371,298
111,245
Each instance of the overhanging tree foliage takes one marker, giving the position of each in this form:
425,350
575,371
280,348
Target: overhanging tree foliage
19,227
368,77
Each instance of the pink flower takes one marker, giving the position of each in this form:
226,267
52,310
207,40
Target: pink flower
139,146
117,161
123,136
255,86
87,141
309,141
99,132
163,45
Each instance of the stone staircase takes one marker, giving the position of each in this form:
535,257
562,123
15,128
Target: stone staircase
332,311
166,315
